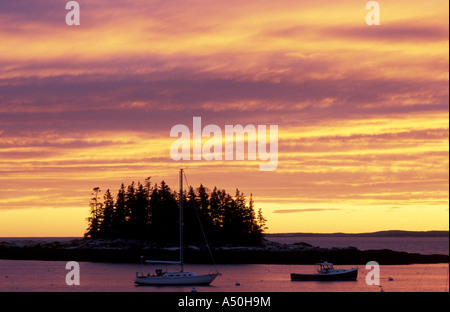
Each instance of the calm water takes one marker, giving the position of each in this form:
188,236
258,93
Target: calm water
422,245
49,276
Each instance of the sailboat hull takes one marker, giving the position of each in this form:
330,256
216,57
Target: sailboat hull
176,279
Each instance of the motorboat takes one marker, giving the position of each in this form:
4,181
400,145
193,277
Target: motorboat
325,271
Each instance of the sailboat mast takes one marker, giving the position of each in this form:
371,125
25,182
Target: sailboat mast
181,219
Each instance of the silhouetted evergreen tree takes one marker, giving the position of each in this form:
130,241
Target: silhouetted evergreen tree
215,208
140,213
165,214
106,227
192,232
205,212
96,215
261,221
152,213
120,214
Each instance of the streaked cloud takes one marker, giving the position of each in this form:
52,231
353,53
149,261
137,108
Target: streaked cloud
362,111
303,210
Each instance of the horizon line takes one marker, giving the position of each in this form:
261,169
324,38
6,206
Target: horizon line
277,233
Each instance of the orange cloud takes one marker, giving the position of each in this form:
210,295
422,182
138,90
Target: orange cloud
362,111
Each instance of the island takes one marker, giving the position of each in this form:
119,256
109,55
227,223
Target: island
268,252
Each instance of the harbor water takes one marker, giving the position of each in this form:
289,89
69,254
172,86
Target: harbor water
50,276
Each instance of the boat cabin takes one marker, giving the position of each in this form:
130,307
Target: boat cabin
324,267
161,273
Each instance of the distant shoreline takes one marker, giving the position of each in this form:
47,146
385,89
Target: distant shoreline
391,233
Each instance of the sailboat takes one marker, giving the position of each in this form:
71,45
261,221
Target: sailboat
175,278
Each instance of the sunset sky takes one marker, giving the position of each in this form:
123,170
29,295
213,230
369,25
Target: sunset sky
362,111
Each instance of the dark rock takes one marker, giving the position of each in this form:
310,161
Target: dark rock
268,253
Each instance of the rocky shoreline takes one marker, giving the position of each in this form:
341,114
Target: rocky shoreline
129,251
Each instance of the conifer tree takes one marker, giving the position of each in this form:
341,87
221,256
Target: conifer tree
106,226
96,217
120,214
152,213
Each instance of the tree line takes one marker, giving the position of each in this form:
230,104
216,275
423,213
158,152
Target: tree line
151,212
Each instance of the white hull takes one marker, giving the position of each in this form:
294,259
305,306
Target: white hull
176,279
